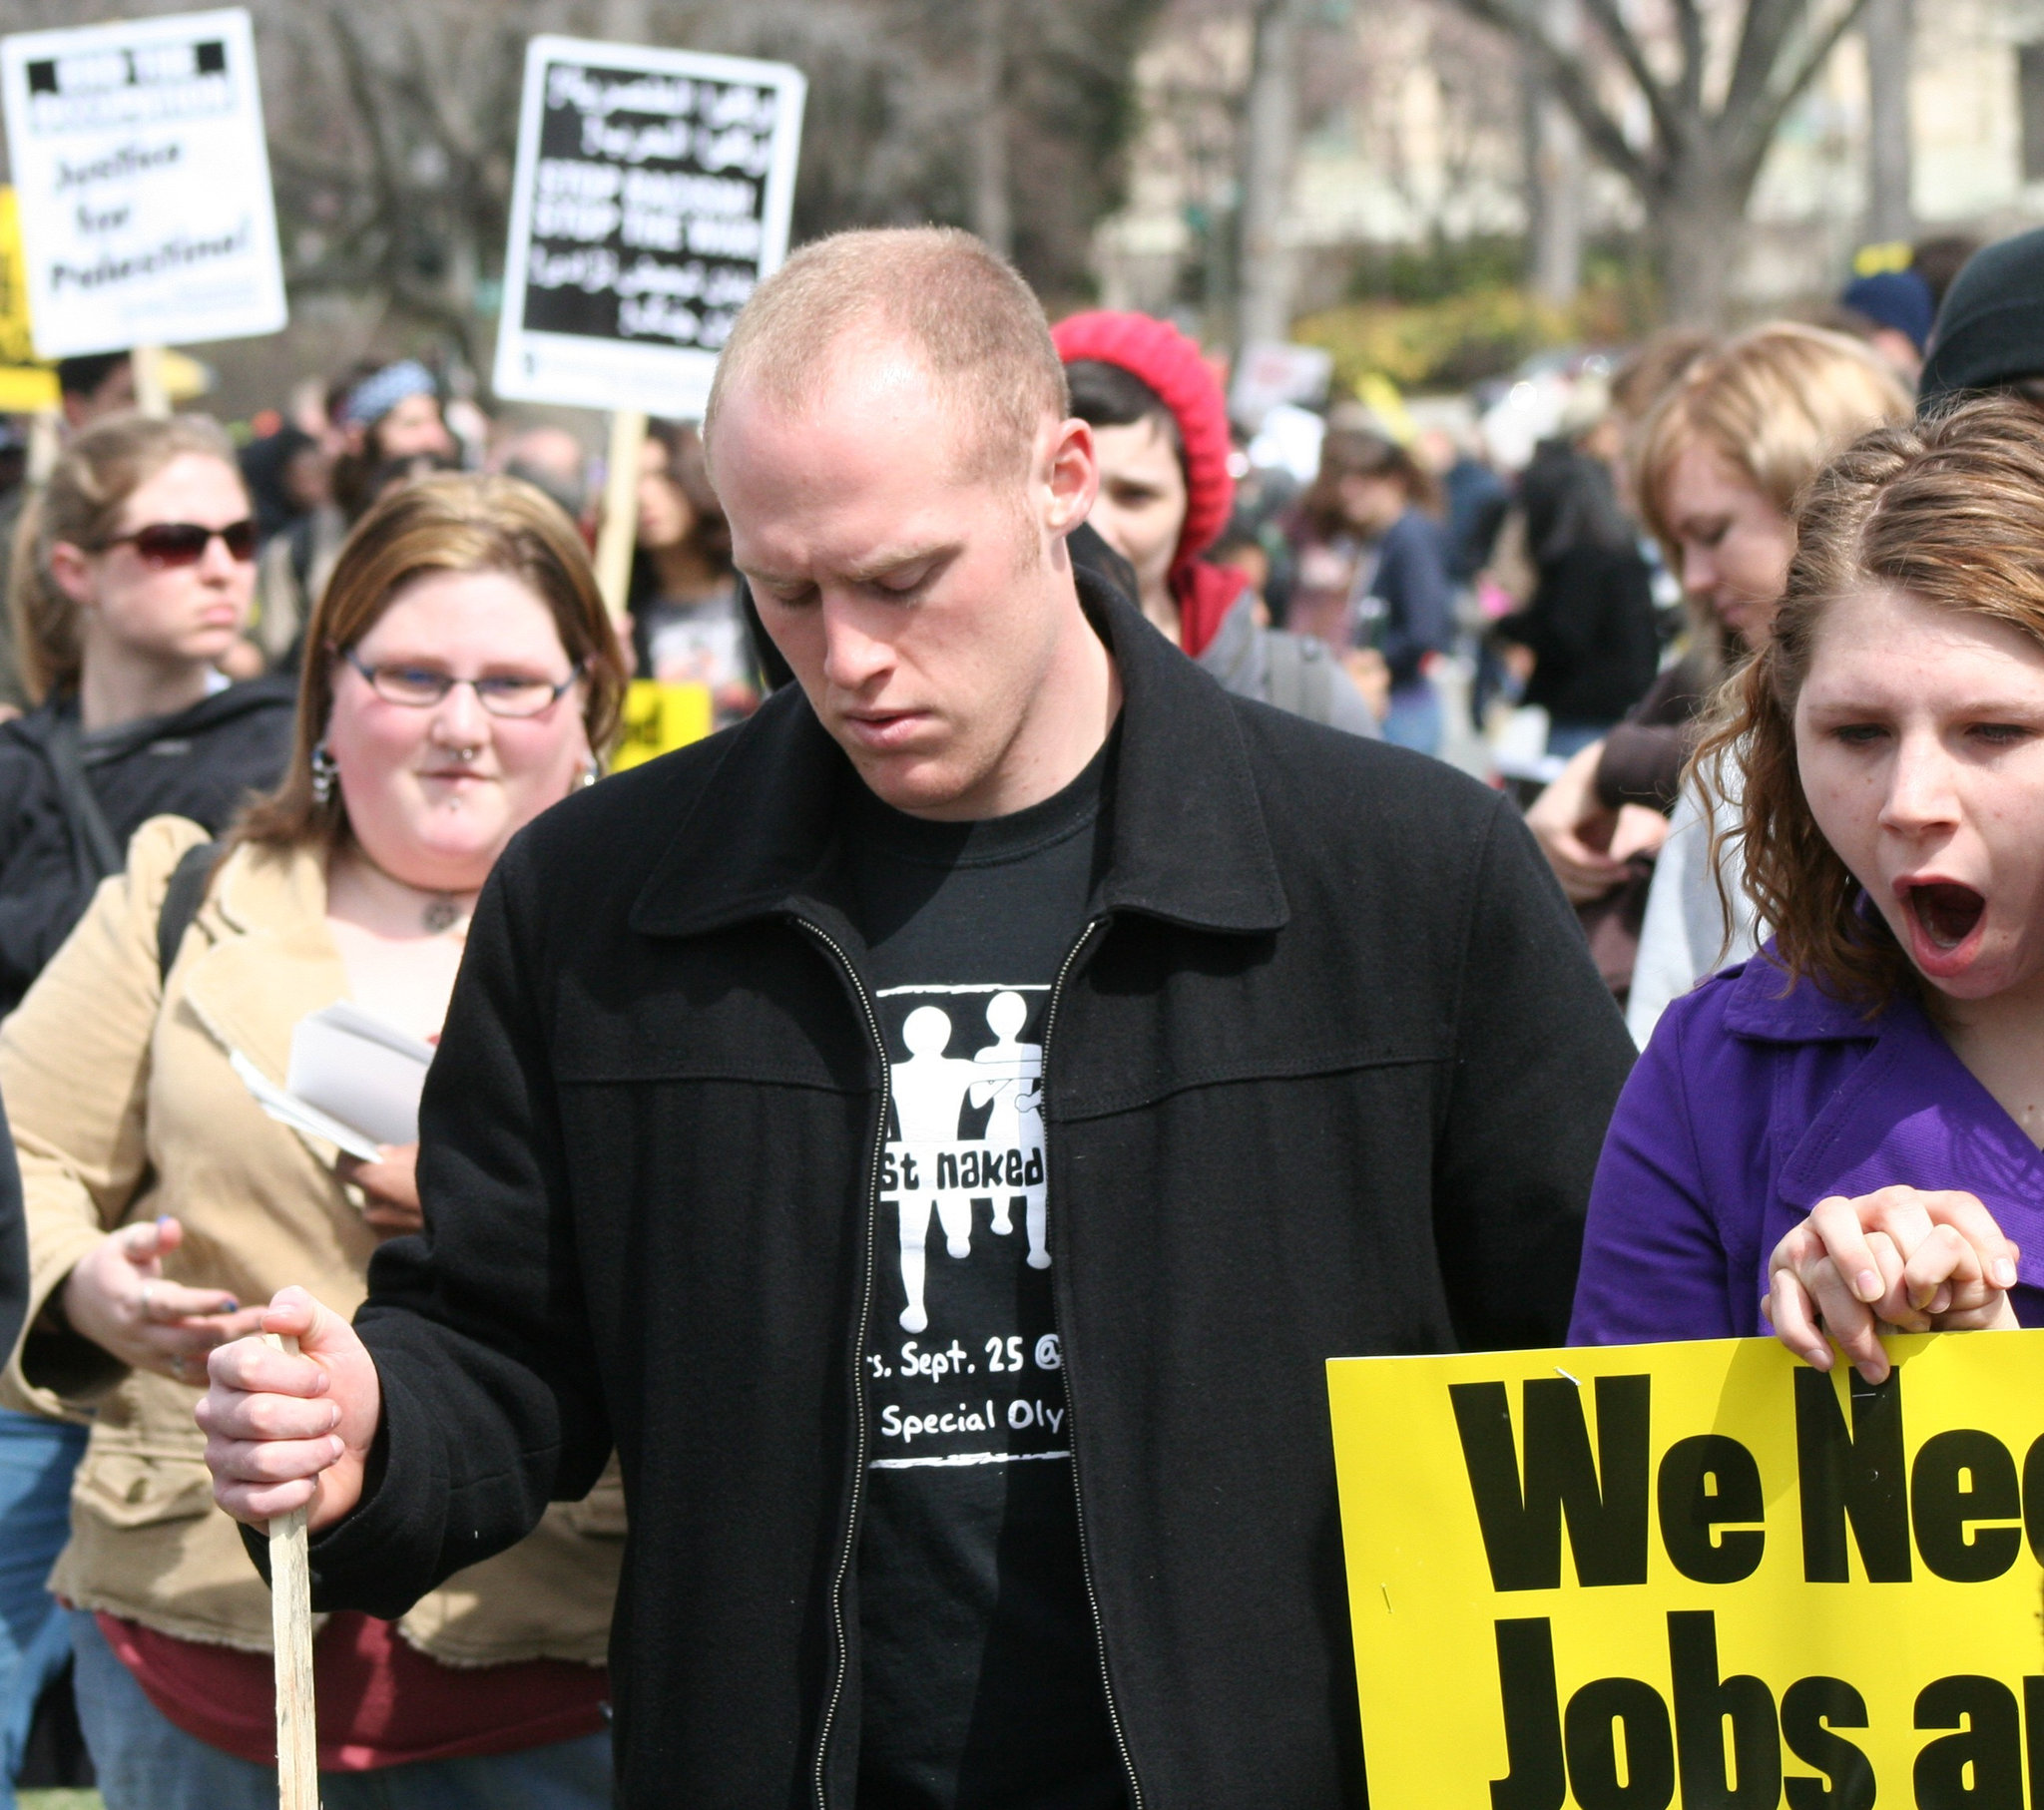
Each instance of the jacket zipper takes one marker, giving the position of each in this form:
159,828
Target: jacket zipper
859,1478
1114,1714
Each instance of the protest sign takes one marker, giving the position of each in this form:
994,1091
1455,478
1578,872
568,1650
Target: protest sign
1698,1574
144,182
25,385
652,194
659,718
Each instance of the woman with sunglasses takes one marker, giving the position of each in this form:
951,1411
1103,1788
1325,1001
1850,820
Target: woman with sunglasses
462,673
132,576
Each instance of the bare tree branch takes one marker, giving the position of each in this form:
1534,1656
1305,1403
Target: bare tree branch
1563,74
1749,153
1767,28
1633,54
1689,20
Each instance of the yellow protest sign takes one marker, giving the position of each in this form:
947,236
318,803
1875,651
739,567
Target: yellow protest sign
659,719
25,385
1698,1575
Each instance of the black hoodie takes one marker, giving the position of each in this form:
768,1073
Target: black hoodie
202,764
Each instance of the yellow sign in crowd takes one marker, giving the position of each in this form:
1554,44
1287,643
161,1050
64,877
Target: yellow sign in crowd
25,385
1698,1575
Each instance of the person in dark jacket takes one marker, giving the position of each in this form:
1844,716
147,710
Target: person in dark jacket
1590,623
133,576
1372,572
937,1131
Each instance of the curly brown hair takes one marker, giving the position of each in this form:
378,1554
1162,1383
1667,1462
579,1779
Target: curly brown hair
1949,510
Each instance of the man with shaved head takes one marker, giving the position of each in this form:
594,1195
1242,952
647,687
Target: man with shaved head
936,1133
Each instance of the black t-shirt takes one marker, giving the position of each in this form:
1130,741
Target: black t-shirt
981,1674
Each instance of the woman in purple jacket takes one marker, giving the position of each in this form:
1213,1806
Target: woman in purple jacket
1853,1117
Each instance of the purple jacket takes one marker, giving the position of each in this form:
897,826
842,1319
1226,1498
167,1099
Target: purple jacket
1749,1107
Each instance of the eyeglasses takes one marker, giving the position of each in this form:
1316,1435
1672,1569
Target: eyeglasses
166,544
500,694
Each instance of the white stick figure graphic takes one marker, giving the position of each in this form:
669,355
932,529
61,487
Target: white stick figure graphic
1012,1078
929,1087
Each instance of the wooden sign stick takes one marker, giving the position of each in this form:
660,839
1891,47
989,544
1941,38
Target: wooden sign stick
150,398
290,1625
620,529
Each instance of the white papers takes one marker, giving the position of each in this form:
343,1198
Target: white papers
296,1114
352,1066
144,182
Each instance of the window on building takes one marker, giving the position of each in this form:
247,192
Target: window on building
2030,90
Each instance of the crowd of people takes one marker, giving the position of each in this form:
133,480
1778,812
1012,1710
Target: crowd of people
1045,717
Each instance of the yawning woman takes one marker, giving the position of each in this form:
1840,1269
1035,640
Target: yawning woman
1878,1068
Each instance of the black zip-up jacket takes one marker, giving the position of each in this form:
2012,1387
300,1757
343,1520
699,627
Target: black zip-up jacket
203,762
1327,1075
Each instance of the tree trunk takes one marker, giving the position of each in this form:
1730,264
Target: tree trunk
1698,234
1269,135
1887,26
992,206
1554,176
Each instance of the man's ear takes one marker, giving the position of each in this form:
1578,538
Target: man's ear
1071,474
71,567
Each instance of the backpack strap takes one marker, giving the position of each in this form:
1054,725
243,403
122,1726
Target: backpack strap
94,851
182,900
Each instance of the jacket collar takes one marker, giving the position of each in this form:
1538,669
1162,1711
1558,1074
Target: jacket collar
270,693
1189,843
1766,1006
1909,1114
251,987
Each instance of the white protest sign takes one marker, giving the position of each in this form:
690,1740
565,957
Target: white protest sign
1270,375
144,182
652,195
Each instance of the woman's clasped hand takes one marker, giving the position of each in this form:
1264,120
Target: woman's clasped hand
1903,1259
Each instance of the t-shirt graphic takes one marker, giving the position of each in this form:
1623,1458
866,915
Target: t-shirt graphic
978,1382
979,1671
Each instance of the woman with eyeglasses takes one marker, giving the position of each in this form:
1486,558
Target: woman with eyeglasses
461,676
132,576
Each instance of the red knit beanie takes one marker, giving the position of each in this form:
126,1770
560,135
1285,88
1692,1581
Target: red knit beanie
1170,364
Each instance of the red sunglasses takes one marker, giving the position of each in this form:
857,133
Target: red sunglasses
166,544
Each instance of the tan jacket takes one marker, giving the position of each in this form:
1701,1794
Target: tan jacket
123,1106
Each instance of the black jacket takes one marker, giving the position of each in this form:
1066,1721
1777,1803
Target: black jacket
202,764
1592,631
1328,1074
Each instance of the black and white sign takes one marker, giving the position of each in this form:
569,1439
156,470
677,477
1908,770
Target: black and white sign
652,195
144,182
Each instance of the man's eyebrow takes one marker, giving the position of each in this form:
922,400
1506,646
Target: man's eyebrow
892,559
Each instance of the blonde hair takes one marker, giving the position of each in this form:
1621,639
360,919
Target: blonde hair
1773,404
451,523
959,306
1949,510
81,505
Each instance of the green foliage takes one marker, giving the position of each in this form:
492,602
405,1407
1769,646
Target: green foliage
1439,270
1454,339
